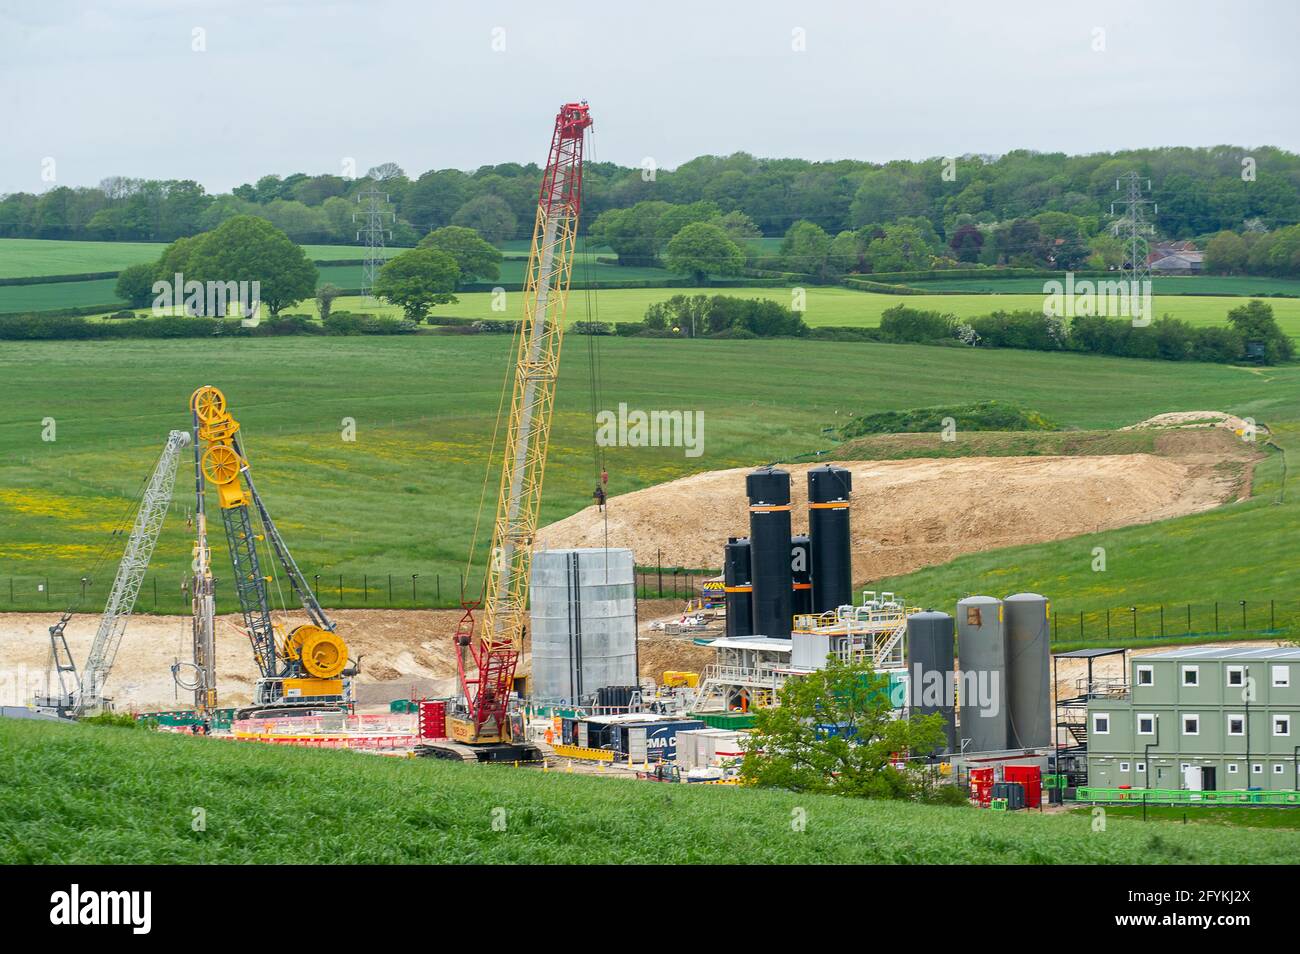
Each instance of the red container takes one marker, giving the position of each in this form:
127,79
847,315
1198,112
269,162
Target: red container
981,785
433,720
1031,777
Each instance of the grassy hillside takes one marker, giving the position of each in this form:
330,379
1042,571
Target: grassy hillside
401,499
1238,552
1170,285
77,794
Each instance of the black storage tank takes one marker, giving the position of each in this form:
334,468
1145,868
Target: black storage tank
738,587
801,571
828,529
930,681
768,489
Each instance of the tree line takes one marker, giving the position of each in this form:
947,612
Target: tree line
1251,334
962,202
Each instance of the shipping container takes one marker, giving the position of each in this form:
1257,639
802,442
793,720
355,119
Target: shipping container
654,741
702,748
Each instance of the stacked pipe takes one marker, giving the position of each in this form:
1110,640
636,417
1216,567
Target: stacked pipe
828,527
738,587
768,489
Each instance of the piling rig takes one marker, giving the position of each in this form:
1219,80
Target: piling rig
304,670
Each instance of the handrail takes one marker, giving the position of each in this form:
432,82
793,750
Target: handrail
1185,796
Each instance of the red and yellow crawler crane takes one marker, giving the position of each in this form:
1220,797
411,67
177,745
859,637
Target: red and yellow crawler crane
487,659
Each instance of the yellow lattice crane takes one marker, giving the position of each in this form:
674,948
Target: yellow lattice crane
487,676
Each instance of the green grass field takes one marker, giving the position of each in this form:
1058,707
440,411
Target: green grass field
402,498
82,794
1162,286
824,305
1184,298
16,299
20,258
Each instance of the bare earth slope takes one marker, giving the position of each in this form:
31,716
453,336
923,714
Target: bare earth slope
399,649
920,512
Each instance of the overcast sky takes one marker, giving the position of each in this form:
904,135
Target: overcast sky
116,87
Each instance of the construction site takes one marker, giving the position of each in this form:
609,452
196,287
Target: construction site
558,665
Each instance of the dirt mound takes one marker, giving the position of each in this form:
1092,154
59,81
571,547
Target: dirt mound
909,514
1185,419
398,650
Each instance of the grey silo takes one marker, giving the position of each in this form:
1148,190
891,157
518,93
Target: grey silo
982,656
1028,670
930,668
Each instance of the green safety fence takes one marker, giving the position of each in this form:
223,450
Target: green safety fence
1173,796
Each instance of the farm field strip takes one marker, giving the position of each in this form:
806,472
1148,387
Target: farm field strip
402,497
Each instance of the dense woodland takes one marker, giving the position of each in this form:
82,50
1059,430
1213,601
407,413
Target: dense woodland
1022,208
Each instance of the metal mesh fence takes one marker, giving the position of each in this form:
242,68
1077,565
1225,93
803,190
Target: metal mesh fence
1071,625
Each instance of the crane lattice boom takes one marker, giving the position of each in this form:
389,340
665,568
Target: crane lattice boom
140,544
487,686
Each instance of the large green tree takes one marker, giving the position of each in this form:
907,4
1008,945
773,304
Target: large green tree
476,259
702,249
417,280
490,216
135,284
903,248
835,732
1254,321
805,248
251,249
1225,254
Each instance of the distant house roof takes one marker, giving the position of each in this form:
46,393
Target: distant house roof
1168,248
1179,262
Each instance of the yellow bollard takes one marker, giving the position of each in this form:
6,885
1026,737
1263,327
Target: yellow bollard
570,768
